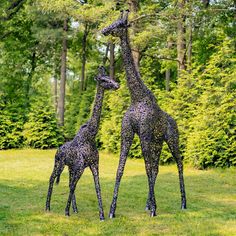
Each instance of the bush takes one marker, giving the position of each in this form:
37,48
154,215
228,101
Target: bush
211,140
41,129
11,123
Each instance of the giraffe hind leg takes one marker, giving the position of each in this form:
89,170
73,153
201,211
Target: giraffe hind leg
95,172
173,144
50,189
74,180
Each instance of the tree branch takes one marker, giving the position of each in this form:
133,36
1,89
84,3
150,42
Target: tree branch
147,15
105,58
81,1
13,9
15,4
5,35
162,58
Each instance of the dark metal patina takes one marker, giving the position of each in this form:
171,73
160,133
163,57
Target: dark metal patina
145,118
82,152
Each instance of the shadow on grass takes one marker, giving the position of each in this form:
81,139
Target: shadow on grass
208,200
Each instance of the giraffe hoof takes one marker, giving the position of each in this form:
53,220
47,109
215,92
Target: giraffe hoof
75,210
183,207
102,218
111,215
67,213
47,208
153,213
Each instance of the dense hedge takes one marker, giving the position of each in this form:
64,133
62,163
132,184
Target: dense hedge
41,130
11,126
203,104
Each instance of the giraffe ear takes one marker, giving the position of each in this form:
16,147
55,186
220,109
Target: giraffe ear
126,14
101,73
101,70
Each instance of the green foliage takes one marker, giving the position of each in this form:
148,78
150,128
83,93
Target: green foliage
116,104
78,108
202,100
203,104
211,139
41,129
11,123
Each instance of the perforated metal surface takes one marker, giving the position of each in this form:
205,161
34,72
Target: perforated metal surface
145,118
82,152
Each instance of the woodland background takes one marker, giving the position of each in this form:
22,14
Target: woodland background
185,49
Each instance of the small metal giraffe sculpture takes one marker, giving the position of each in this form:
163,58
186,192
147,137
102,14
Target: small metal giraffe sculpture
82,152
145,118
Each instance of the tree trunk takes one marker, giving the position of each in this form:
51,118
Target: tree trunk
55,80
84,58
168,71
104,60
55,93
206,3
112,60
29,79
134,7
61,103
168,80
190,43
181,42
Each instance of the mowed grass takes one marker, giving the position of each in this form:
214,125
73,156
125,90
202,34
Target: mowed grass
24,175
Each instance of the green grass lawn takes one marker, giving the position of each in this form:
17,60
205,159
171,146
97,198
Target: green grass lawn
24,175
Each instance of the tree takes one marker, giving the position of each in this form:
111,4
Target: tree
61,103
41,129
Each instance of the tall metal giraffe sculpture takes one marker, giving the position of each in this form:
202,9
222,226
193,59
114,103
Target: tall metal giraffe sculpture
145,118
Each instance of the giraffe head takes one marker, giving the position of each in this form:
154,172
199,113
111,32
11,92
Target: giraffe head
119,27
105,81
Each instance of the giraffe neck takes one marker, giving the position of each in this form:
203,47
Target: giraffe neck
138,90
94,121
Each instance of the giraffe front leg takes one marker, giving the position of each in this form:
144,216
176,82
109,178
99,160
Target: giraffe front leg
151,149
154,173
74,206
152,201
77,174
155,168
127,136
95,172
